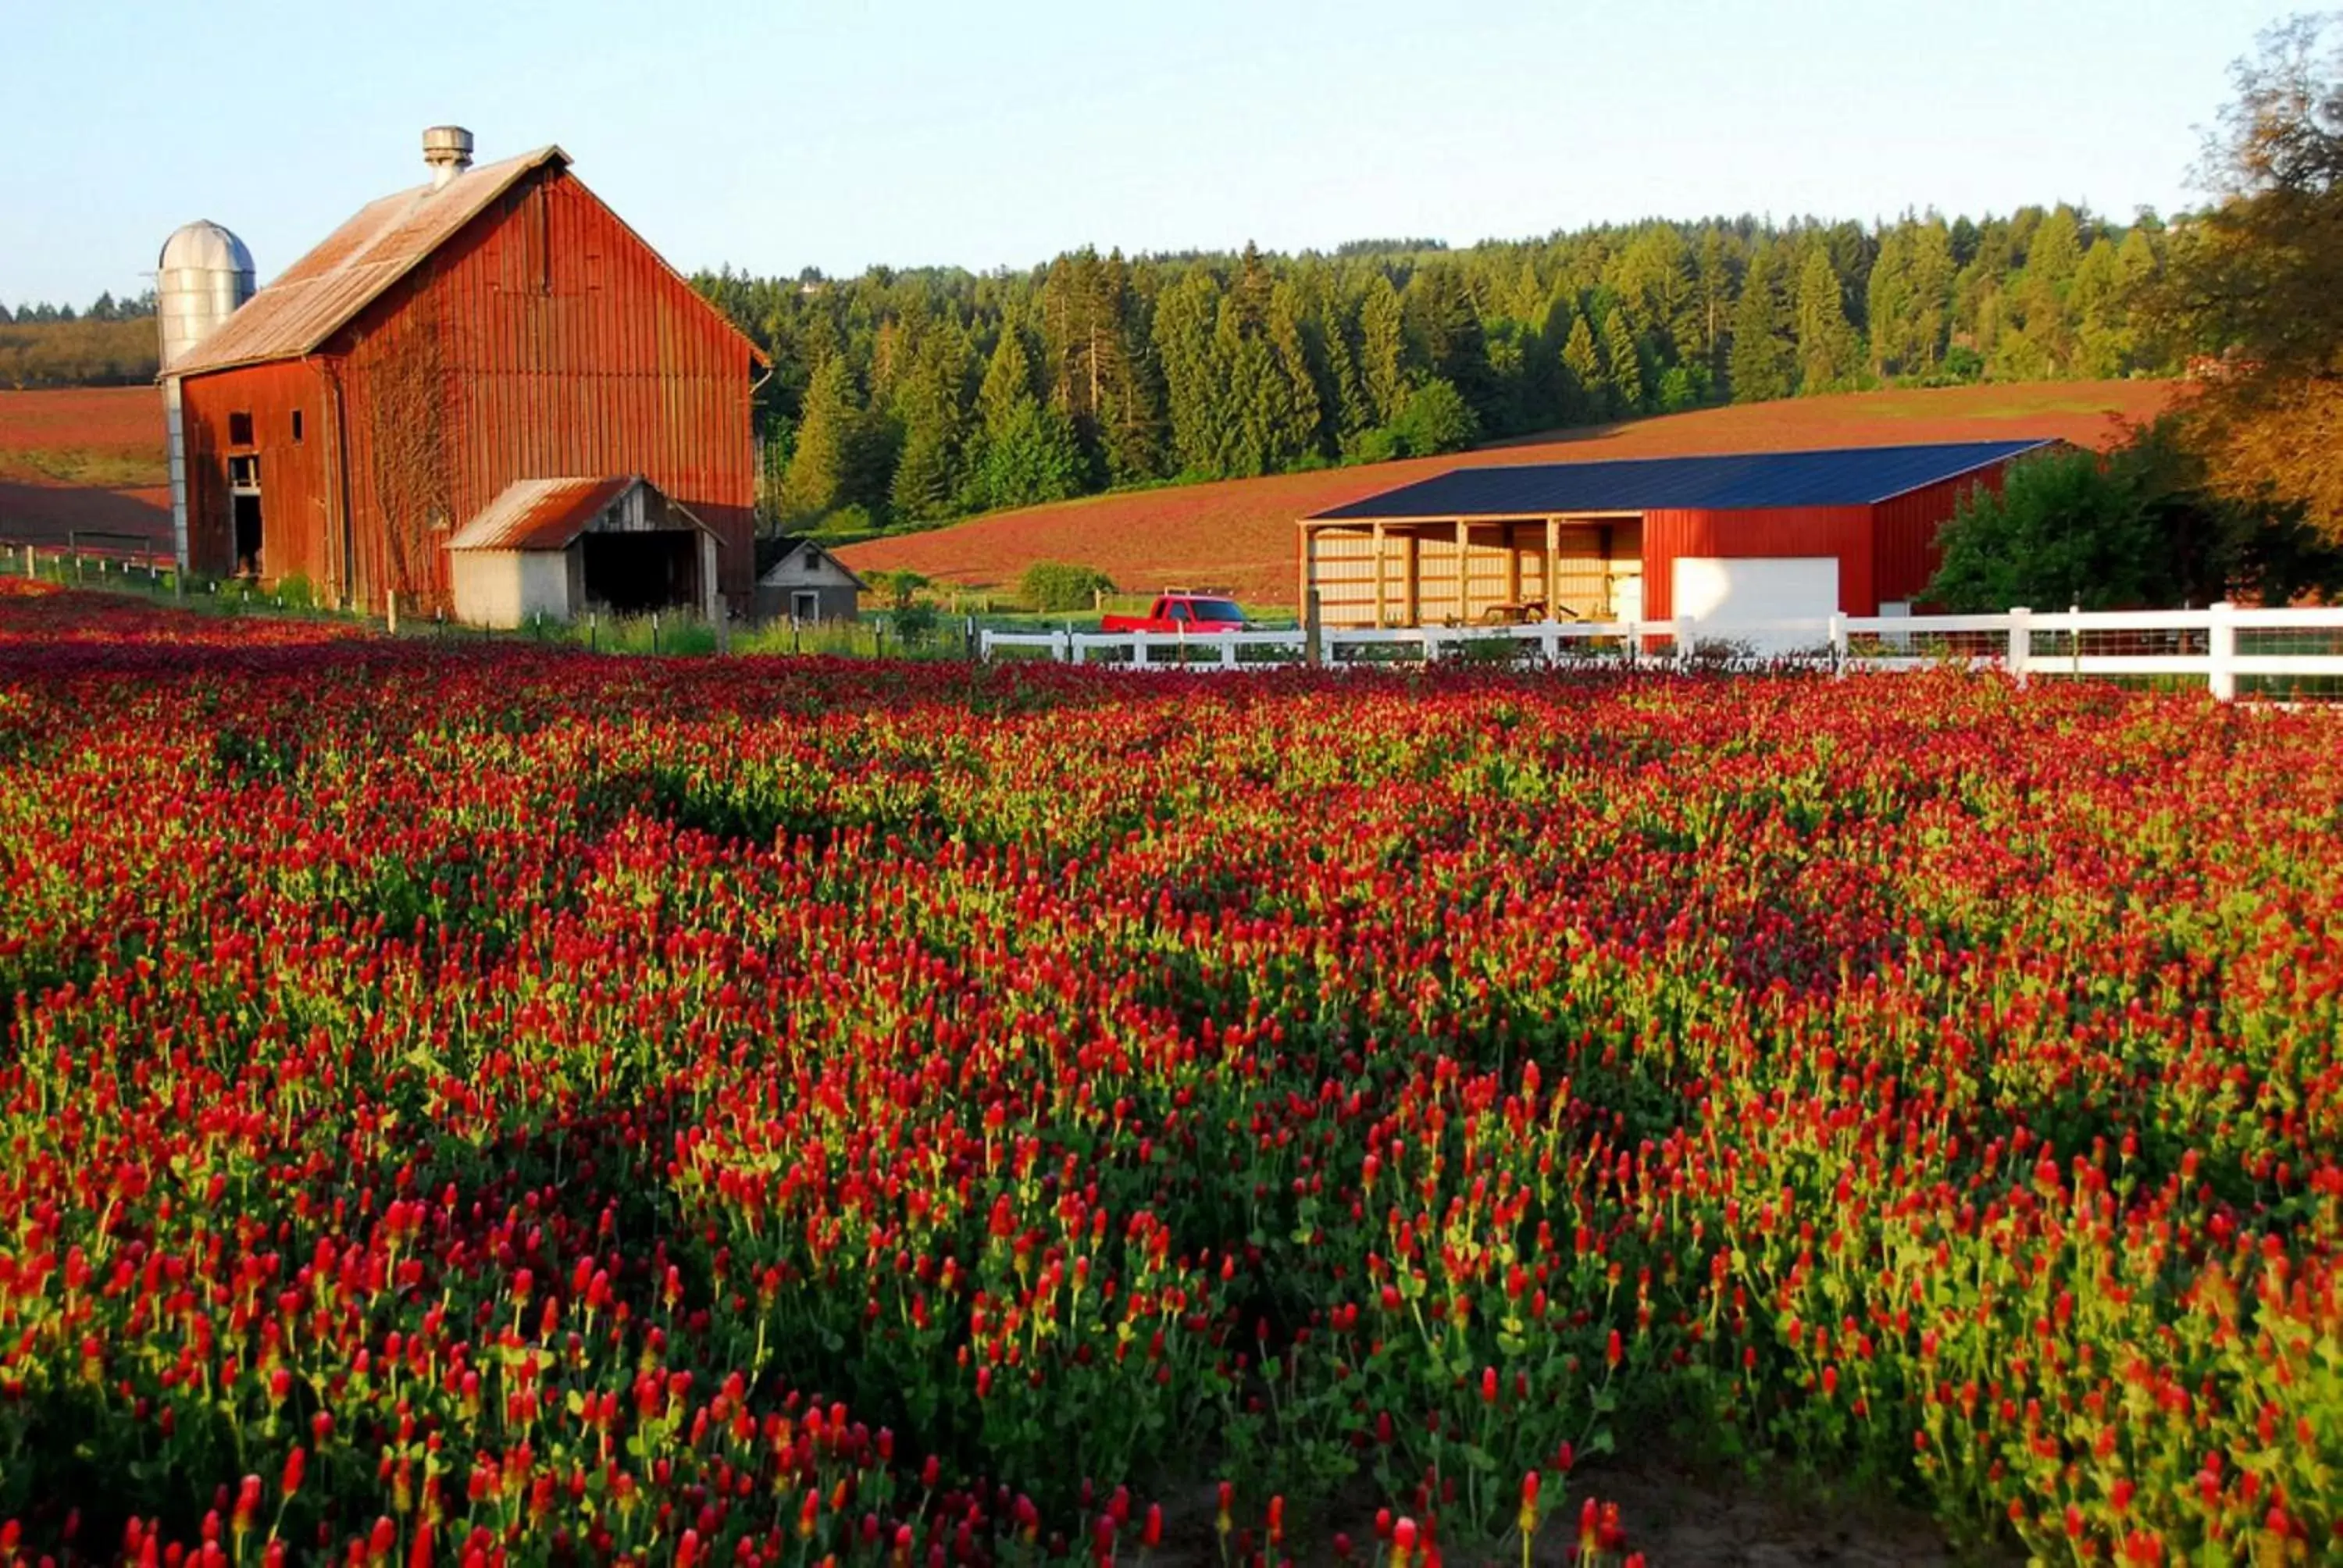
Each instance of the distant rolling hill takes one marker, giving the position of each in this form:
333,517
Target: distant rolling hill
85,463
1238,534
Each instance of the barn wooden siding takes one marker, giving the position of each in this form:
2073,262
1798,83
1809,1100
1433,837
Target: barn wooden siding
299,510
562,345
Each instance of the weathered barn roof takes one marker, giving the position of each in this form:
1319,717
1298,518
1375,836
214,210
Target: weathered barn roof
546,514
317,295
1845,477
324,291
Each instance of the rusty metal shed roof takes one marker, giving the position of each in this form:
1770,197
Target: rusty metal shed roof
1845,477
319,294
546,514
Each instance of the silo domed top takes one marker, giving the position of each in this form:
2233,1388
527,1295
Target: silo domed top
205,247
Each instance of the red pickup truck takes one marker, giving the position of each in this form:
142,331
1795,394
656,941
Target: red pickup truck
1194,613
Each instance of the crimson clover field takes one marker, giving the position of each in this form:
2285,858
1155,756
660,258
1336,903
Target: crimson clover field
482,1104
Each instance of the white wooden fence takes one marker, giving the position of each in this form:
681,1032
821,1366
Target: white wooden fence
2228,647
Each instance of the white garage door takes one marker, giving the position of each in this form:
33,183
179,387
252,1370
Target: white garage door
1729,590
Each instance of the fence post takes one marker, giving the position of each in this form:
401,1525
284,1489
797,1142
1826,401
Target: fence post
983,644
2021,643
31,571
1228,651
390,610
1139,651
1062,646
2221,648
1838,643
1313,625
1684,642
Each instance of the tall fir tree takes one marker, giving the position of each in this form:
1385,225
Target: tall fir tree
1382,349
1763,362
1587,391
822,462
1623,362
932,410
1288,400
1195,391
1828,350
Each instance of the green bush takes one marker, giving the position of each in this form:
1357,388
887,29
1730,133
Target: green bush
915,624
1435,419
1054,587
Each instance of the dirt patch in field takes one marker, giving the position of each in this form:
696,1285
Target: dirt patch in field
85,466
1673,1516
1676,1516
1238,535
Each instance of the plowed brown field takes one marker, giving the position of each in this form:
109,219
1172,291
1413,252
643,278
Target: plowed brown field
86,464
1238,534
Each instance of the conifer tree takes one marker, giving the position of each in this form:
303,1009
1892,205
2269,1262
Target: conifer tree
1129,414
932,408
1622,364
1381,349
1763,362
1582,364
1716,288
1195,396
1008,383
829,425
1826,343
1288,398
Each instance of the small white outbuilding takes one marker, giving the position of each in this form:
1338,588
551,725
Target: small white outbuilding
809,584
554,549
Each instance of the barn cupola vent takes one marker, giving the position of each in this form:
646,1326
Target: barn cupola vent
447,150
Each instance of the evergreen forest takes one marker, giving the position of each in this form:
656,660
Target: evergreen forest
903,399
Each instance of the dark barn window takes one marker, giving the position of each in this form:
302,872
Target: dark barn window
240,429
297,427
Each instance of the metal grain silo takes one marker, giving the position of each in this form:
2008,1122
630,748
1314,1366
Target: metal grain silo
204,275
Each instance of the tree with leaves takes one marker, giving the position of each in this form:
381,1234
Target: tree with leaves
2257,276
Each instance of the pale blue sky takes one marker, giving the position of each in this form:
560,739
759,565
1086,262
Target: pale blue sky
783,135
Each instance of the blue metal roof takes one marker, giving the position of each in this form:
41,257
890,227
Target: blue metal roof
1844,476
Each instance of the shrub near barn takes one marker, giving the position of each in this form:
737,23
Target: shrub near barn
488,1102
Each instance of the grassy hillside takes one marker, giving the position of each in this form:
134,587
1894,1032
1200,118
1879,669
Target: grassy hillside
1238,534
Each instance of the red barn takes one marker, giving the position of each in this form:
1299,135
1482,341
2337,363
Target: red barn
496,325
1761,536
